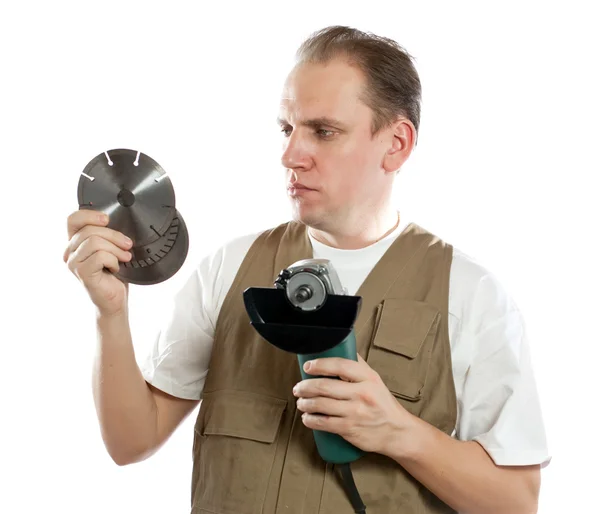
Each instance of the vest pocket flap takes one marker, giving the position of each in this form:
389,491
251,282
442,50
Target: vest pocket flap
243,415
404,326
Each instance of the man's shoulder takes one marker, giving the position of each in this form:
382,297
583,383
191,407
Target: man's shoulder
227,256
466,271
241,243
475,289
466,267
230,253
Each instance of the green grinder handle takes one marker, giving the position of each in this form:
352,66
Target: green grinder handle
333,447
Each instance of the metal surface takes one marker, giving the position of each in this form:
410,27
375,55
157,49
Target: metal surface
139,198
306,291
160,260
150,254
133,190
308,282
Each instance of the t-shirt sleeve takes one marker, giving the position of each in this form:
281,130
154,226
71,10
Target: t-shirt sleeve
500,406
178,360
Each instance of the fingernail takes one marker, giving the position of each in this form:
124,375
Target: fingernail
102,218
307,365
128,241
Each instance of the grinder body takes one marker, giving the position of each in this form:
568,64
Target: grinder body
309,313
332,447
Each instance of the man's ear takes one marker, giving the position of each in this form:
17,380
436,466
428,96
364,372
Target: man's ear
403,137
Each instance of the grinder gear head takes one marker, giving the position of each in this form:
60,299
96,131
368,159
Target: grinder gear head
308,282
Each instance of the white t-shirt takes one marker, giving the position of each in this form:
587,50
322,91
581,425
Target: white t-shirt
498,403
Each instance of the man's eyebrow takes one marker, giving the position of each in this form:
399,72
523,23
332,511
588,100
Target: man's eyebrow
316,122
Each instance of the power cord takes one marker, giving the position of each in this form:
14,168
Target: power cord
351,490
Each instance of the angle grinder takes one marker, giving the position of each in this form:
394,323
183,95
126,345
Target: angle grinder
138,196
309,313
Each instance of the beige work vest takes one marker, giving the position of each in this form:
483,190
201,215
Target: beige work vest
252,453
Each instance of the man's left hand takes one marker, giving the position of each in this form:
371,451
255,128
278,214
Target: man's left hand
359,407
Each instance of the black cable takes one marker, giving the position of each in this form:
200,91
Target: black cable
348,482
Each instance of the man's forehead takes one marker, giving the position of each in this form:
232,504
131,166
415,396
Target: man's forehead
322,82
293,112
291,109
322,91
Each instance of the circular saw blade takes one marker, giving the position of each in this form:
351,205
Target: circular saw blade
160,260
133,190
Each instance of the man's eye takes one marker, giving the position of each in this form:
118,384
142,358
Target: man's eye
325,133
286,131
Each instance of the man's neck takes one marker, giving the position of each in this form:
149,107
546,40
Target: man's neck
359,236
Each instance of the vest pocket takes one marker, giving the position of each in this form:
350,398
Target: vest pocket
402,344
234,448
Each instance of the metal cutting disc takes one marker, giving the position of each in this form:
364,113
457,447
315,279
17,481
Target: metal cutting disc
133,190
160,260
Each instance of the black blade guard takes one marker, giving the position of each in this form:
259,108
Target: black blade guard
298,331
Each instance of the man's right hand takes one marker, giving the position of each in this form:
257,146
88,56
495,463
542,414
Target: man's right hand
93,247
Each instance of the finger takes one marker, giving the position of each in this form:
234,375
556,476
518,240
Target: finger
325,406
96,263
346,369
82,217
329,387
89,231
333,424
96,244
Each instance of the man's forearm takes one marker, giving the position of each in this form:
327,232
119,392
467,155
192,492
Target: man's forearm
462,474
125,405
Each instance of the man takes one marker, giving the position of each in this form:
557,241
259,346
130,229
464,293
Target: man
442,397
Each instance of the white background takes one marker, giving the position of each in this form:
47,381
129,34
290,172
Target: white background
506,170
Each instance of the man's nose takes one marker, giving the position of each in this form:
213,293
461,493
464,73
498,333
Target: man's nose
295,153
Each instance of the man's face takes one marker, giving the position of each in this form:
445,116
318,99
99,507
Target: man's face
328,145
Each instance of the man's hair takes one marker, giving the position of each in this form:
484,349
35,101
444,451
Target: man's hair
392,88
